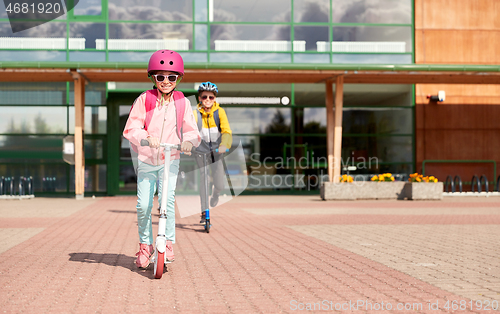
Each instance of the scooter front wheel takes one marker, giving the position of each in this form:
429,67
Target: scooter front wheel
207,225
159,264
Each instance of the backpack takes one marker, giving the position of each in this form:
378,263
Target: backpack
204,146
180,105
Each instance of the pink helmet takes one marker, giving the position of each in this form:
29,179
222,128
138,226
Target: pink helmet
166,60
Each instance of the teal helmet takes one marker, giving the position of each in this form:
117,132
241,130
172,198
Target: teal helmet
209,87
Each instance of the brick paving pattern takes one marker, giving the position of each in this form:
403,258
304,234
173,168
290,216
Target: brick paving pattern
462,259
264,254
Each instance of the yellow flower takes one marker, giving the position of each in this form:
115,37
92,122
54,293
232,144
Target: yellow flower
346,178
415,177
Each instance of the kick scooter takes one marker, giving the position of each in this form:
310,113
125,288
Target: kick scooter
161,240
205,170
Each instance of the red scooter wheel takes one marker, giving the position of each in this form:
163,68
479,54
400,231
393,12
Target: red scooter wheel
159,264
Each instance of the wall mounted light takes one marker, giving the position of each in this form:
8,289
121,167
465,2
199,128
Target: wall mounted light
440,96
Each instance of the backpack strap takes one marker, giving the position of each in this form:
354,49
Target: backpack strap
217,120
180,108
199,121
151,96
150,106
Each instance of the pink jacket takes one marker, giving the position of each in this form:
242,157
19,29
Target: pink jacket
162,126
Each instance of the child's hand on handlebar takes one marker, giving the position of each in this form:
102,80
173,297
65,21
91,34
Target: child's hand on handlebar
222,149
154,142
186,148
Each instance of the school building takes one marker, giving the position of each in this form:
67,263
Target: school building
397,86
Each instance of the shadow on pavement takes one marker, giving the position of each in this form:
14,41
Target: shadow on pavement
116,260
192,227
119,211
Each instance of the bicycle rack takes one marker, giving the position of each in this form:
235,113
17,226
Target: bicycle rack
7,187
478,183
10,186
29,185
480,186
484,181
21,186
449,182
49,184
457,182
24,188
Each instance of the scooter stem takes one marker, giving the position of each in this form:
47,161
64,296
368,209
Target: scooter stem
164,195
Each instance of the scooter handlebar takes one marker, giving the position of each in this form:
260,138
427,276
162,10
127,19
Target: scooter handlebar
214,150
145,142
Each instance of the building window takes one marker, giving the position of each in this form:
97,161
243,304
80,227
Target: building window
87,8
147,10
275,11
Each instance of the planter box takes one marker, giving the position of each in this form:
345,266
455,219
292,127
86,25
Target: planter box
362,190
381,190
338,191
424,191
397,190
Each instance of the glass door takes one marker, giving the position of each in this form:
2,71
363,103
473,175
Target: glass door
121,174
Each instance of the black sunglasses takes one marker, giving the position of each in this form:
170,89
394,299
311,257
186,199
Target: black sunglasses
171,77
205,97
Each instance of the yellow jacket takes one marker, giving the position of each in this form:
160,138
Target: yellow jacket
209,131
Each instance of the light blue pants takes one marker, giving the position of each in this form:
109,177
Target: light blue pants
147,176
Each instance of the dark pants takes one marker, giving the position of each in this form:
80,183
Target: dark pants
217,175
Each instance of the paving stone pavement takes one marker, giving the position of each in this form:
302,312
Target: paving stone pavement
264,254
